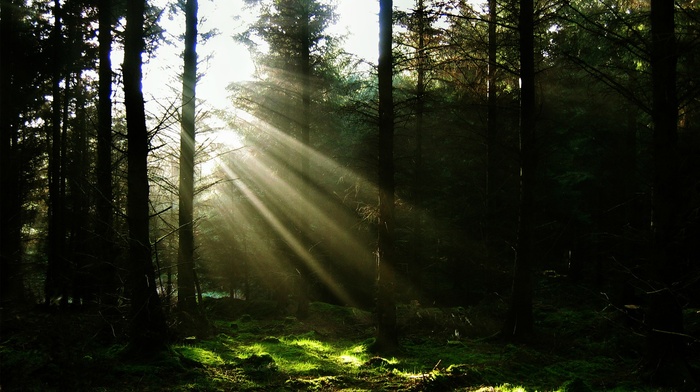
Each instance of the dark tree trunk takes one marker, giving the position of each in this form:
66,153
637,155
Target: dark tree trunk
74,163
519,320
11,278
148,328
387,338
491,139
421,65
107,273
666,356
57,269
186,297
83,289
303,281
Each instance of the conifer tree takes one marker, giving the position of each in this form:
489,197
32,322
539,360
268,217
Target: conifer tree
387,338
186,273
148,328
519,320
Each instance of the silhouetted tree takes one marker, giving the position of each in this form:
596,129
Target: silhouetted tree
387,338
666,356
57,274
519,321
16,79
186,298
104,198
148,328
491,135
421,39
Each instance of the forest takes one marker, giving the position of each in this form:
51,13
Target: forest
506,198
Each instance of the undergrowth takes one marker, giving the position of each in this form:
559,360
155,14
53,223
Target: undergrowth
577,349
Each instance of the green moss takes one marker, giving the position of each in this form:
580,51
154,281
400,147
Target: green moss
510,388
574,351
201,355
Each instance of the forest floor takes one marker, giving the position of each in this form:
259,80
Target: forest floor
581,344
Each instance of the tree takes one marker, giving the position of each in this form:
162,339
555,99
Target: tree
639,55
299,56
422,26
13,79
299,51
105,196
305,68
148,328
491,134
478,79
387,338
187,301
420,42
519,321
666,357
57,279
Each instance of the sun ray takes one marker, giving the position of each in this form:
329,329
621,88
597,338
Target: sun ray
310,219
288,236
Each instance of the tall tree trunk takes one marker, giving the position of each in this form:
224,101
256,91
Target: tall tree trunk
519,320
107,274
387,339
417,242
302,288
83,289
148,328
186,298
491,138
57,270
665,356
70,152
11,278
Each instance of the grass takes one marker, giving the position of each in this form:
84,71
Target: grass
576,350
304,354
429,361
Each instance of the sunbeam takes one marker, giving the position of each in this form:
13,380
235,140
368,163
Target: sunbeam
309,219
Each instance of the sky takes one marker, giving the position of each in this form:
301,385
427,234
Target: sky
223,60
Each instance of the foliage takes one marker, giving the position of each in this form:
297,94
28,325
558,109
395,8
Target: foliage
592,204
580,347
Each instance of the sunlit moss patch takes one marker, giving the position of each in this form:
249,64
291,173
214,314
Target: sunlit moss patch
201,355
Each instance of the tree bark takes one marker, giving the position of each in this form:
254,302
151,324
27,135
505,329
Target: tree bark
84,291
11,277
387,339
519,320
148,328
421,70
57,269
491,138
665,356
186,297
107,273
302,289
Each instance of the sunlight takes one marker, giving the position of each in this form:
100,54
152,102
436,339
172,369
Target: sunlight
314,345
297,366
309,219
355,356
280,222
282,230
228,138
224,60
253,349
295,239
351,360
201,355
